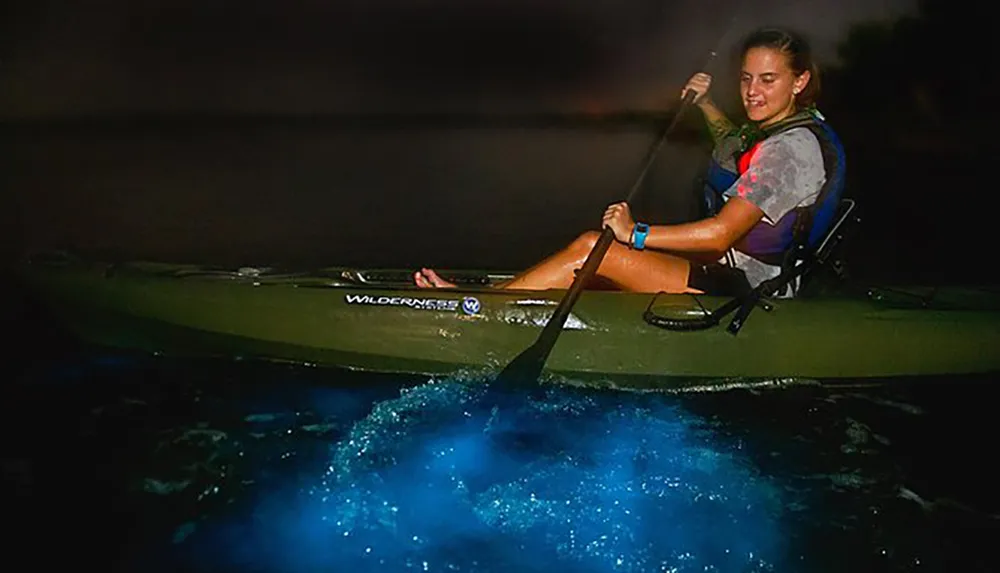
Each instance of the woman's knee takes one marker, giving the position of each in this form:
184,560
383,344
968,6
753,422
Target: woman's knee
585,242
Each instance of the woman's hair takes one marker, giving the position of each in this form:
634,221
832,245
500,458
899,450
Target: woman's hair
799,55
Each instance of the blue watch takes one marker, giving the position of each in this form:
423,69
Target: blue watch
639,236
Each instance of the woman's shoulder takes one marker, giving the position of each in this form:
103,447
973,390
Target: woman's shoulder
793,153
799,141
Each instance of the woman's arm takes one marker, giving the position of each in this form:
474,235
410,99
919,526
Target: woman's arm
712,235
783,172
718,124
786,169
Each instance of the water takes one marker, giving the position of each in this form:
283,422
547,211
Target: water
258,192
152,464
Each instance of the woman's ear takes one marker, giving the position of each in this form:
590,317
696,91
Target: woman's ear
801,82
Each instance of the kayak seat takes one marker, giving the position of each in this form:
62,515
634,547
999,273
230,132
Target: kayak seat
830,254
801,270
798,272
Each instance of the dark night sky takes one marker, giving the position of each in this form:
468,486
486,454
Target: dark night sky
322,56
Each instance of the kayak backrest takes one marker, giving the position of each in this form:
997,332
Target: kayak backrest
829,252
802,262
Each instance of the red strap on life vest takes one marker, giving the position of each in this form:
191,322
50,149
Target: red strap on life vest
744,163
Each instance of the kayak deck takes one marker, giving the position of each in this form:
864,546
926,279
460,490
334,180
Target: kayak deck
377,320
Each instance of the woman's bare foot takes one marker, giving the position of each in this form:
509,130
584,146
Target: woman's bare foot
427,278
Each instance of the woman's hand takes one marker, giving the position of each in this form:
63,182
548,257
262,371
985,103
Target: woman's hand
699,84
618,218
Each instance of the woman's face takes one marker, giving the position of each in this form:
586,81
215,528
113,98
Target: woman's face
768,85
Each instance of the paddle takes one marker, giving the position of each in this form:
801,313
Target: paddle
527,366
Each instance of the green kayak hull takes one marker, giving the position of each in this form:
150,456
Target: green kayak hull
376,320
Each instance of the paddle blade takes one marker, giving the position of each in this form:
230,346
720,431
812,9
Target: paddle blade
525,369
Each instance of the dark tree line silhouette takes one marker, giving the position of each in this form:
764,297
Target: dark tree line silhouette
930,69
913,100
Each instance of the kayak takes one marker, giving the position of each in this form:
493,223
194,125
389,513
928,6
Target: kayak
377,320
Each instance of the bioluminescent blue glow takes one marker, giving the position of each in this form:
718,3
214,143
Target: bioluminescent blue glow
440,480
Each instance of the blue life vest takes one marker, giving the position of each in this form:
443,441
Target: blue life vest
807,224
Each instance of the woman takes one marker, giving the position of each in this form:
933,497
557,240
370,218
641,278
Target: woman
779,83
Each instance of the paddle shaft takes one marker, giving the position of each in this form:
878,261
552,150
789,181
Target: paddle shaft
528,365
596,256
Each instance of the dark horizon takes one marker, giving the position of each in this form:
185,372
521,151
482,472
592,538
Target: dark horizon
307,57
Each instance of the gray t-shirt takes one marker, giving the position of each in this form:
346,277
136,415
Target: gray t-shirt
786,171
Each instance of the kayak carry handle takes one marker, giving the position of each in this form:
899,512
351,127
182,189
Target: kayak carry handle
680,324
708,318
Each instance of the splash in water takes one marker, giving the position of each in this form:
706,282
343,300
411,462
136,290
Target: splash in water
441,479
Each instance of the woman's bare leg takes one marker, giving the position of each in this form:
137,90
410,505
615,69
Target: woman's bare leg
643,271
